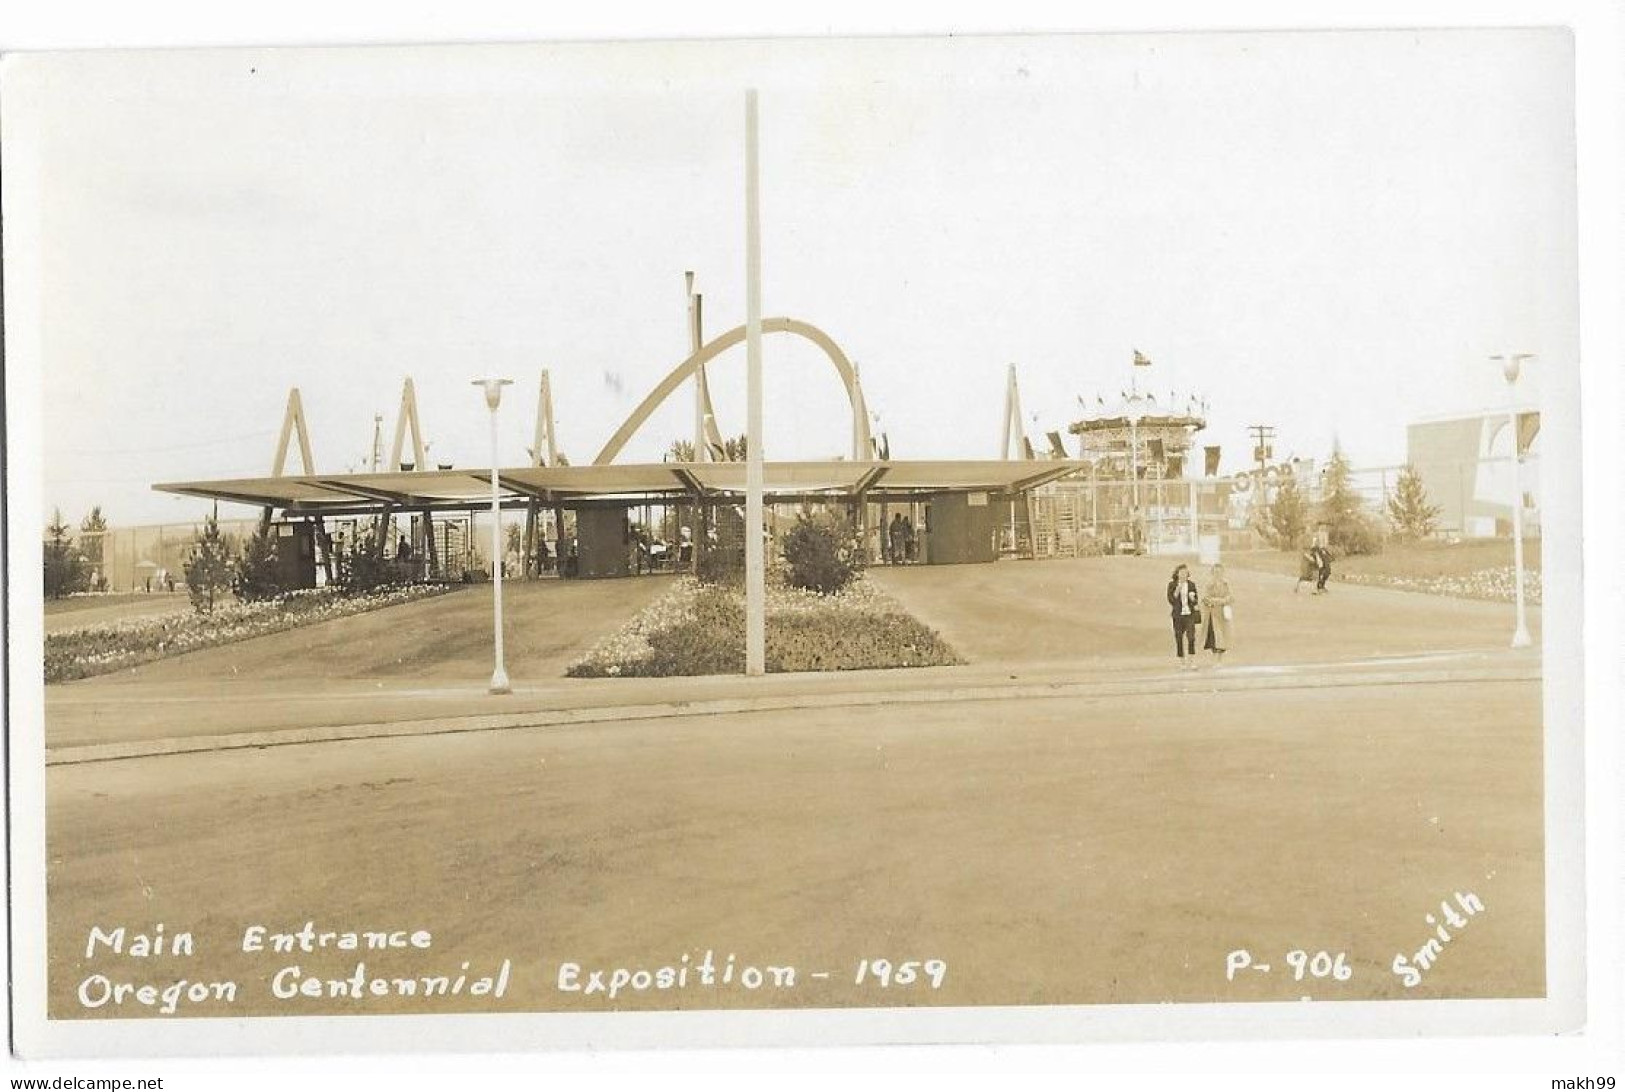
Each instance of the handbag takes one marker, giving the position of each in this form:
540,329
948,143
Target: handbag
1196,616
1227,613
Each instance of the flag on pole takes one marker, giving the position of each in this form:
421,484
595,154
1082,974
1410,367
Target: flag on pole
1141,360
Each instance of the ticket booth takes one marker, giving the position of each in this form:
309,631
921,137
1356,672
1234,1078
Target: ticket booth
295,554
963,527
603,542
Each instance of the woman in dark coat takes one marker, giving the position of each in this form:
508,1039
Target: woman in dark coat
1184,601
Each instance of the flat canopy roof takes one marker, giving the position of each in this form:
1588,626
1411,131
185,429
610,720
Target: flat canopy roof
343,494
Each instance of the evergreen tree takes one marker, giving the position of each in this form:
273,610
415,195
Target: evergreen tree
1349,526
1288,519
1408,509
681,451
257,577
94,528
64,568
208,571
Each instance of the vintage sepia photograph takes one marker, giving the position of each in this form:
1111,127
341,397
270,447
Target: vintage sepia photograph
1050,537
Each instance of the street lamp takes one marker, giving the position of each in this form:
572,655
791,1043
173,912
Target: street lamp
493,399
1135,403
1510,366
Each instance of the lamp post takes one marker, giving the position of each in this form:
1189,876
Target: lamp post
1510,366
1136,409
493,399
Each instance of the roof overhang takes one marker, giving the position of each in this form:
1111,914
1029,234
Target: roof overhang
440,490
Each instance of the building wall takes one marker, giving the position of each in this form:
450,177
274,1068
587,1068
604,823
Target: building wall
962,527
1466,469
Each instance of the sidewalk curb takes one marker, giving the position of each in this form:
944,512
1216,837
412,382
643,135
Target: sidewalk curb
554,718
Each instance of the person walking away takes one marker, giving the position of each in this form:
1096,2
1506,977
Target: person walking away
896,535
1323,570
908,540
1184,601
1308,567
1218,611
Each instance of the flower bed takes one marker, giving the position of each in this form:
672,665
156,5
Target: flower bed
1497,584
97,650
697,629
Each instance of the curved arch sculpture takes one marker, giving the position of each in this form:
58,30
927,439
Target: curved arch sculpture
711,350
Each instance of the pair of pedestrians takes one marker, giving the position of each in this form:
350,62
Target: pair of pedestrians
1210,609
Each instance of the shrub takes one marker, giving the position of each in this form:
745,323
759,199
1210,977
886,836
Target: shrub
256,578
700,630
710,642
853,642
369,570
724,565
822,553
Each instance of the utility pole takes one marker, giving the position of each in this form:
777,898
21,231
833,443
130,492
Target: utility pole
1262,451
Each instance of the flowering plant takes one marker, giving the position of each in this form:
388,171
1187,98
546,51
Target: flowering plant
697,629
98,649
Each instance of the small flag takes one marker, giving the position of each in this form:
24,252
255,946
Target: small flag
1141,360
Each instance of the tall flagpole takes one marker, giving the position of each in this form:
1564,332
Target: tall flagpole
755,570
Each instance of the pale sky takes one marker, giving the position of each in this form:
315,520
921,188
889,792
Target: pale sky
1328,233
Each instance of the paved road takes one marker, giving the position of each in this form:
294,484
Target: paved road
1064,850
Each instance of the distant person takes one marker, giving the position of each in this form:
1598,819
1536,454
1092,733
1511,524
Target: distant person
1185,603
403,550
1218,611
1324,570
169,581
1308,567
908,539
897,539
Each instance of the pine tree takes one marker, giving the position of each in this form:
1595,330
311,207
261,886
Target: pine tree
64,569
1408,509
1288,519
1349,526
94,532
208,571
257,576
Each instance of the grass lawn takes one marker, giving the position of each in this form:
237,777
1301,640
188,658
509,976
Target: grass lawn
1403,561
75,603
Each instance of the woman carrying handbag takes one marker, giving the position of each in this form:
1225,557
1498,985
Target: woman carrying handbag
1218,605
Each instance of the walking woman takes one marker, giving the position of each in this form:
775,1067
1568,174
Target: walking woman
1184,600
1308,567
1218,607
